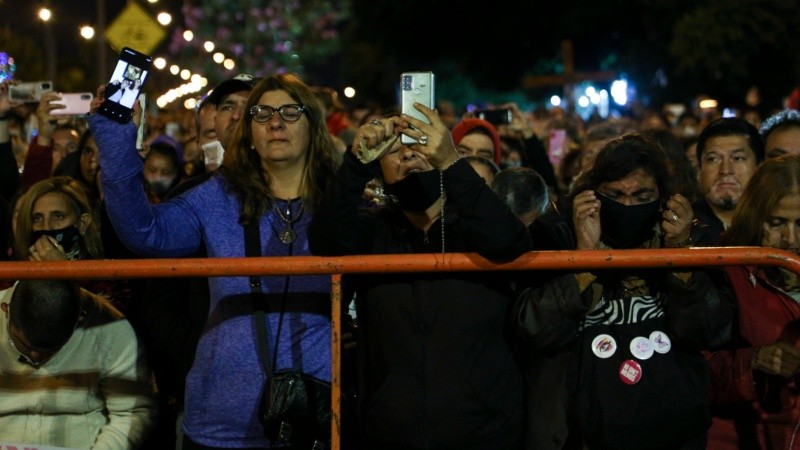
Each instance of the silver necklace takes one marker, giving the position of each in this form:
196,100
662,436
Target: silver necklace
288,235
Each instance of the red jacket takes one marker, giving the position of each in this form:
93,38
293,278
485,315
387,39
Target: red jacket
755,411
38,163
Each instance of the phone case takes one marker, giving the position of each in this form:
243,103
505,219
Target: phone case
29,92
416,87
76,104
125,85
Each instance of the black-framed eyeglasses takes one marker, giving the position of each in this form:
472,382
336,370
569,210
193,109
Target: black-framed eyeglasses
289,113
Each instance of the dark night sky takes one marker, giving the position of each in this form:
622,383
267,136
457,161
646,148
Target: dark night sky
496,45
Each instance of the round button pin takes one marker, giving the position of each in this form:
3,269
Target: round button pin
630,372
641,347
603,346
661,342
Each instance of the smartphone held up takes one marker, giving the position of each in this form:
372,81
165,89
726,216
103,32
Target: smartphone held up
495,116
125,85
29,92
416,87
75,104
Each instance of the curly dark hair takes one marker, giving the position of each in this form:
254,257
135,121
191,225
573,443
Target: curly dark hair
620,157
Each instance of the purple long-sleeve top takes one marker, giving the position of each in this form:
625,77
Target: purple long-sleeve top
226,381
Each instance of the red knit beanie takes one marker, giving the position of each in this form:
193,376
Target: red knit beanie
467,126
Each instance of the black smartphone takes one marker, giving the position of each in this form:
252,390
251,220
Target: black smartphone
495,116
125,85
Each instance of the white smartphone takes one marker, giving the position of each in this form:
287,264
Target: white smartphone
76,103
416,87
30,92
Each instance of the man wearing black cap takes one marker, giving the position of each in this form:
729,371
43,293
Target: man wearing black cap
225,104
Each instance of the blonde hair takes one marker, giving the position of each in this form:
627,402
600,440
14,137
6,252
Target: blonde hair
91,243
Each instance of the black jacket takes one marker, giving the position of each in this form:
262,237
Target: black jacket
437,362
551,307
709,225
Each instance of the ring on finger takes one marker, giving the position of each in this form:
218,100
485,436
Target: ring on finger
423,139
377,122
674,217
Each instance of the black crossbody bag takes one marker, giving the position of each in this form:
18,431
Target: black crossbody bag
295,408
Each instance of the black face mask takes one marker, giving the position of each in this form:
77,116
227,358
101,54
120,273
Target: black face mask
417,191
626,226
67,236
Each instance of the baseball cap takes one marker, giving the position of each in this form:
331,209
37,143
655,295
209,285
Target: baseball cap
241,82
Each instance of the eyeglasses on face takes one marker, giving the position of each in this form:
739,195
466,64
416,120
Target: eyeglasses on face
289,113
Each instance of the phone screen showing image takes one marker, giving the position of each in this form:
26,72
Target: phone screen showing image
125,85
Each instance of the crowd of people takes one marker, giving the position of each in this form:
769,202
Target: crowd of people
633,358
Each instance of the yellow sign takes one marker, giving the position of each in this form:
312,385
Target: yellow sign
135,28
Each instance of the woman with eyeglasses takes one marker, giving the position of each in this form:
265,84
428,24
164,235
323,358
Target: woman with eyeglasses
272,176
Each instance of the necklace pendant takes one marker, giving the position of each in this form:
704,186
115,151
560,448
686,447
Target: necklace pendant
288,236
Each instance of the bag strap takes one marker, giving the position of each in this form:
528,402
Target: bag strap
252,247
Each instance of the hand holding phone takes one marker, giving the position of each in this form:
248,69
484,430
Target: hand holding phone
125,85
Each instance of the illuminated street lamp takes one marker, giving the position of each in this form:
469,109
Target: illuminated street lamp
50,46
87,32
164,18
45,14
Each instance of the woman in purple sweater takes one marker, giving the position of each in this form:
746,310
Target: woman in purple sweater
281,157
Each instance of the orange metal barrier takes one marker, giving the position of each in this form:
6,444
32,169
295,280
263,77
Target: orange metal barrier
432,262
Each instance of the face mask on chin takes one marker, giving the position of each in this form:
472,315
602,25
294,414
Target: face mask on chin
417,191
213,153
160,186
626,226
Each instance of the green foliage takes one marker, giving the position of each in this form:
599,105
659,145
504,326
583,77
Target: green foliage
719,43
263,36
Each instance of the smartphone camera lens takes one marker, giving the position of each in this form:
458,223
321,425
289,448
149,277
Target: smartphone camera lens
407,82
